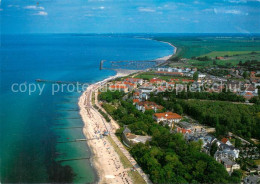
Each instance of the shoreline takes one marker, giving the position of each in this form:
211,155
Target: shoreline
96,162
98,165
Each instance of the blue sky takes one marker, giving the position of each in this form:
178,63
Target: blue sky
130,16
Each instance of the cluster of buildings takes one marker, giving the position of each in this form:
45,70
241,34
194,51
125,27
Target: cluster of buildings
188,72
225,154
248,88
141,90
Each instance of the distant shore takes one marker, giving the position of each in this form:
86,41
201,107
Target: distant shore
104,170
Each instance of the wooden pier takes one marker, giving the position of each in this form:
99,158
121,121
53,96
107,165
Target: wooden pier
77,140
73,159
59,82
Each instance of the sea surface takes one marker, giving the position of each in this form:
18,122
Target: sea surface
38,132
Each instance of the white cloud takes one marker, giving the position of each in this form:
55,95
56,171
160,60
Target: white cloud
142,9
11,5
229,11
236,12
34,7
42,13
241,1
237,1
99,8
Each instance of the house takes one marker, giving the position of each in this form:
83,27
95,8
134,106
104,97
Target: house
135,80
184,128
165,69
229,164
248,95
252,179
167,118
207,142
135,101
156,81
226,141
250,88
252,74
146,105
162,89
136,95
174,80
187,80
131,86
118,88
220,58
201,76
146,88
130,139
225,150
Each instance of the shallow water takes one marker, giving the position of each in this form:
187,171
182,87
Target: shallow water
32,125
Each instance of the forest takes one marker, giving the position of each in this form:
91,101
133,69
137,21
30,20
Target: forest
242,120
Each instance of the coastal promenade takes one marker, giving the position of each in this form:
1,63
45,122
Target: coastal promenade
105,159
119,144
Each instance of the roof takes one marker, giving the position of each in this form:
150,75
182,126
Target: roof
136,100
183,130
126,130
224,140
168,115
187,80
129,83
252,179
185,125
156,80
136,94
118,87
174,79
150,105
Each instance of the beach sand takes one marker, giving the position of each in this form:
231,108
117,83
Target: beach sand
106,161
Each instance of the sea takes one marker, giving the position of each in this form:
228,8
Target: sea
38,128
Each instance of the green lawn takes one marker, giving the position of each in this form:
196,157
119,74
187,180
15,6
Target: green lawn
232,58
198,45
229,53
152,75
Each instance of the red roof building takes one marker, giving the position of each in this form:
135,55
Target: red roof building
169,117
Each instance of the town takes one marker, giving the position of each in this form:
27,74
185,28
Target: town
236,152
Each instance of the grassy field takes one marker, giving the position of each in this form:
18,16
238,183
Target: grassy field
230,53
257,162
231,58
198,45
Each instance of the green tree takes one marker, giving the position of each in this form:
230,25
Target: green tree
245,75
213,149
196,76
238,143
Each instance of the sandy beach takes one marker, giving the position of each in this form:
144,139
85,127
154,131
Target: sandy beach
105,159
